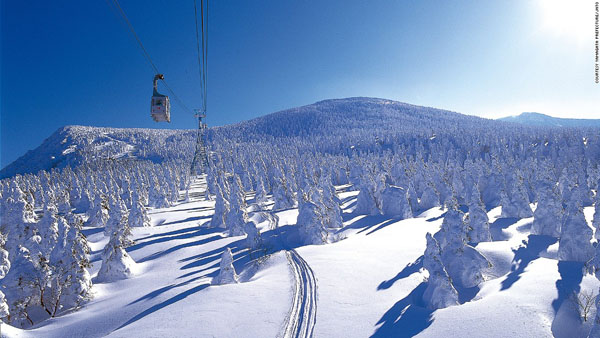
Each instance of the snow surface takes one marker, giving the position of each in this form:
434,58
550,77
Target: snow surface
368,284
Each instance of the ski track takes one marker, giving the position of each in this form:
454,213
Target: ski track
303,314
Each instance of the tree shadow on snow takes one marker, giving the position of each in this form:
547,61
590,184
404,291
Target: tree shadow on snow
500,224
367,222
162,290
91,231
433,219
571,275
407,318
195,229
382,225
189,219
198,209
238,250
408,270
274,240
567,320
524,255
164,304
186,233
159,254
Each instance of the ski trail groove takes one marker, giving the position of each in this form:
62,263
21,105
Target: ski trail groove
303,314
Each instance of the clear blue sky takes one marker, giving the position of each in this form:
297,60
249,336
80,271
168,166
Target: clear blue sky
73,62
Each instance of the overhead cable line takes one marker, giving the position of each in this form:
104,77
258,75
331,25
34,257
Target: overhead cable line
147,55
202,48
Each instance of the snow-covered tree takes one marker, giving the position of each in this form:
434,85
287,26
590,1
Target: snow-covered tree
227,274
595,331
549,212
222,208
331,210
4,268
575,236
515,202
138,215
394,202
368,200
237,215
283,195
156,197
98,215
440,292
253,238
477,219
260,196
310,224
429,199
116,262
596,219
465,265
70,281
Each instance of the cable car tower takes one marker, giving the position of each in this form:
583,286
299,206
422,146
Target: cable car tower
200,161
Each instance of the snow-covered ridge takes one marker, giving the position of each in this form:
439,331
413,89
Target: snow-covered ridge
337,126
74,145
537,119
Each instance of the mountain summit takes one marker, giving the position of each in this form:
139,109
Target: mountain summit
344,119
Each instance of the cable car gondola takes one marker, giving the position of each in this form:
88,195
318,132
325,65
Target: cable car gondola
160,106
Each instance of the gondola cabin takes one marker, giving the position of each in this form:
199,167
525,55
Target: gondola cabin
160,106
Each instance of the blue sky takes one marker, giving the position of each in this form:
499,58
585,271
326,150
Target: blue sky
73,62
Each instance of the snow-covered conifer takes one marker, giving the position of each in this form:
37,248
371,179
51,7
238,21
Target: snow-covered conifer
4,268
116,263
596,219
515,204
394,202
98,215
477,219
440,292
310,224
429,198
70,281
283,195
548,213
575,236
332,211
260,196
368,200
465,265
221,209
138,215
237,215
156,197
116,213
227,274
253,238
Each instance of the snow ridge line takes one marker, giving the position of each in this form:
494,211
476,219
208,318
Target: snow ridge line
303,314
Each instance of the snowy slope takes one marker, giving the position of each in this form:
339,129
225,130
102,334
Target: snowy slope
368,284
75,145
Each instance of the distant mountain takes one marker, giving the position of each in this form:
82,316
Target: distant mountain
336,126
537,119
335,121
